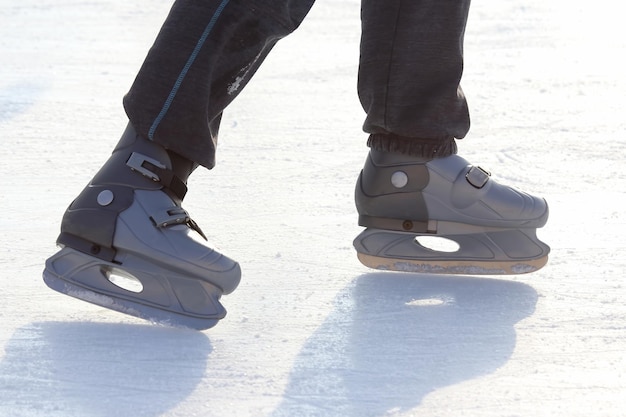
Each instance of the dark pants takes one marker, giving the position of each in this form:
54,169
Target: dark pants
207,50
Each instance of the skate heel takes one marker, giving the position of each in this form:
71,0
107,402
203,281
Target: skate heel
136,288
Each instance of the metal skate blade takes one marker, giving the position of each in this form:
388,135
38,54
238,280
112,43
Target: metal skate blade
458,267
498,252
132,308
138,289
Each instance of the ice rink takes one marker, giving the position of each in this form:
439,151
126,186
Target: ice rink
310,331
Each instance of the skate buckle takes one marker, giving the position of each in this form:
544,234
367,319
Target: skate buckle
477,176
136,161
173,216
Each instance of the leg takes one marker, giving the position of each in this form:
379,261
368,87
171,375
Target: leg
413,184
205,53
409,74
127,244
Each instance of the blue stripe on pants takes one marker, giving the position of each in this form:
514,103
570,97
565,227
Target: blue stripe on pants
183,73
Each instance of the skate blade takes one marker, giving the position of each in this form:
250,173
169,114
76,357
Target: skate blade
503,252
171,299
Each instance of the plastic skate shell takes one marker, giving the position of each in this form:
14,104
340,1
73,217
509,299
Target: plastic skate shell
128,245
401,198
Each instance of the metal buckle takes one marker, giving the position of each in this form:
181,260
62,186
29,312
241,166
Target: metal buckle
477,177
136,161
170,217
176,215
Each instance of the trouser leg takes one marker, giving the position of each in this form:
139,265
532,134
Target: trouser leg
204,55
410,68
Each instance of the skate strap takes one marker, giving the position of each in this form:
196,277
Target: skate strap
157,172
85,246
401,225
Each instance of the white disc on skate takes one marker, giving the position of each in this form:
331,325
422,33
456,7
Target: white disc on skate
105,197
399,179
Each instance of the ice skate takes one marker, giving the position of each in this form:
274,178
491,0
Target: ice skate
129,246
403,200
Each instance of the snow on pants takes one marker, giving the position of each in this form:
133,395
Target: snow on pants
410,67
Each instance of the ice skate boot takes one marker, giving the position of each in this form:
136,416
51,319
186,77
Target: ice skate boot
129,246
403,201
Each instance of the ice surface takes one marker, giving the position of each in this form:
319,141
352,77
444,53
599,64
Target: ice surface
310,332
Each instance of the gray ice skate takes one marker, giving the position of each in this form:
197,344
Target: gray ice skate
129,246
404,201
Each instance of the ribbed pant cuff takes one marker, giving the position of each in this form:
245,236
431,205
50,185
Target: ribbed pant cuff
424,148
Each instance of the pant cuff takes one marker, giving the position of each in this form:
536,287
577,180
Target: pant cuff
423,148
